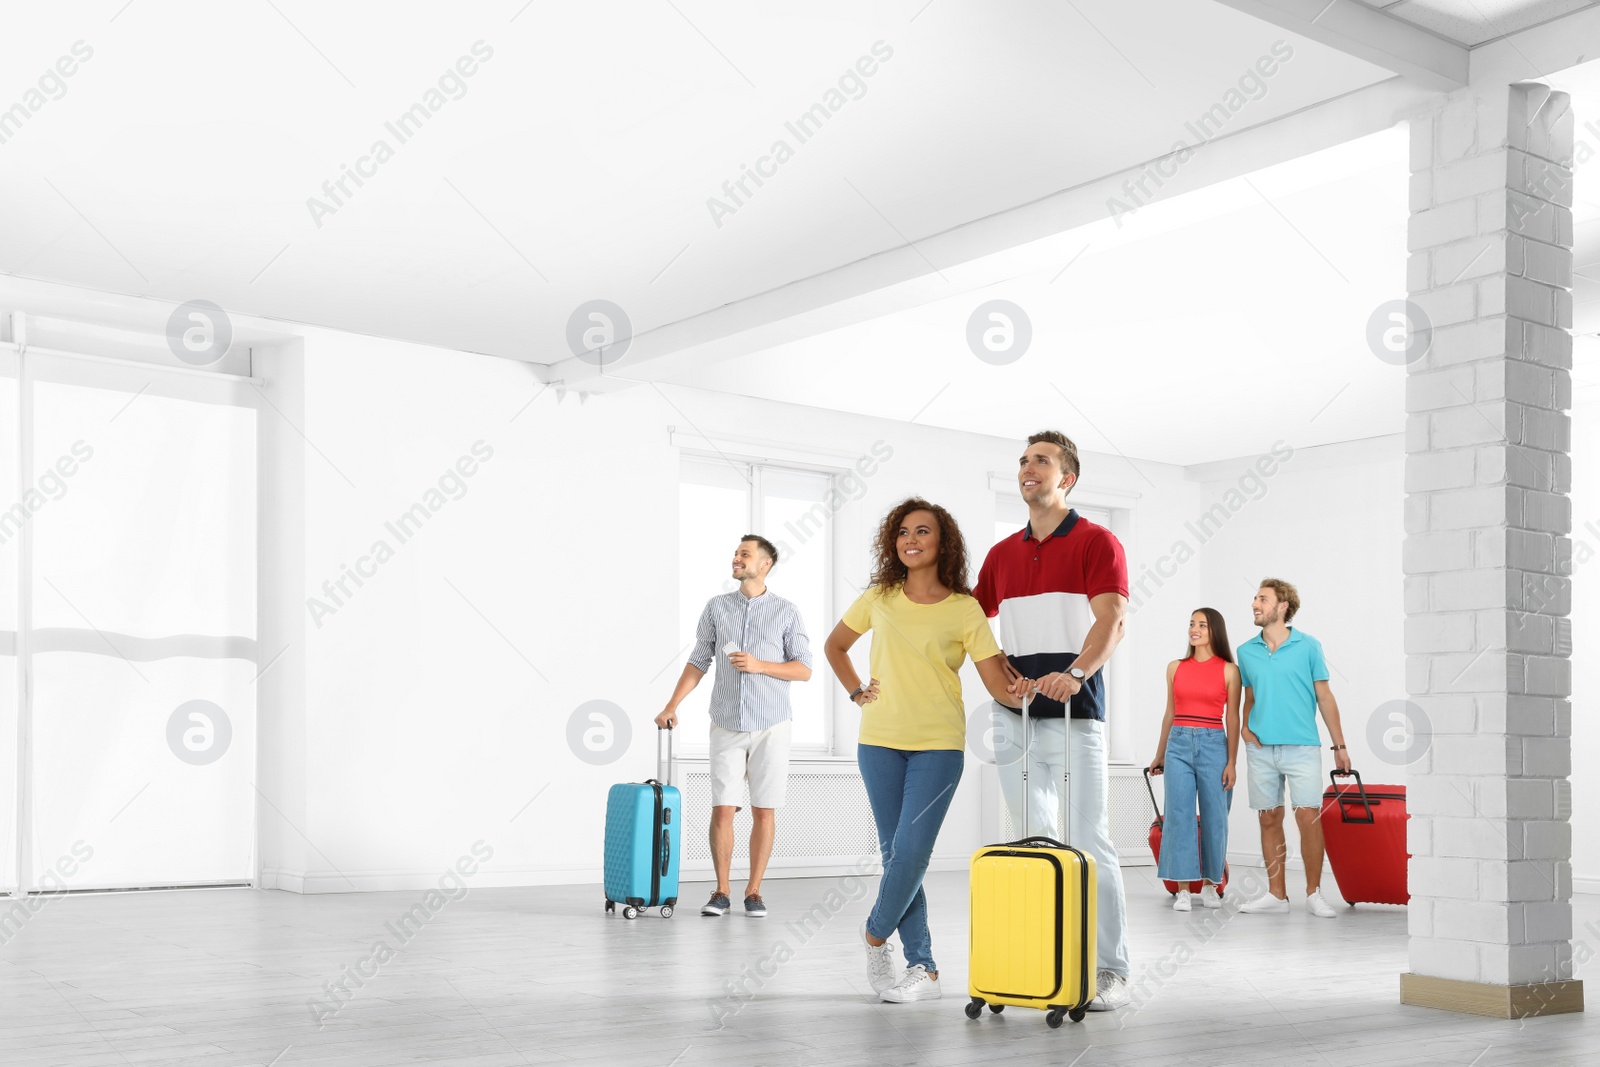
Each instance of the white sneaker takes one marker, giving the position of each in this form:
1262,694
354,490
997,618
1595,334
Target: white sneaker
1209,897
880,965
1319,907
915,984
1182,903
1111,992
1267,903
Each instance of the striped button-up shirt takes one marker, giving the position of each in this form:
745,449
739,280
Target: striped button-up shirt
769,628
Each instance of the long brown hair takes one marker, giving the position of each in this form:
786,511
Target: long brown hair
1219,635
888,572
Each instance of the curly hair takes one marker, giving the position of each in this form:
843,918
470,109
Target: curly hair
1285,593
888,572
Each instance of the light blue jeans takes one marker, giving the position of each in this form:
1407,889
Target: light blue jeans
1195,759
910,792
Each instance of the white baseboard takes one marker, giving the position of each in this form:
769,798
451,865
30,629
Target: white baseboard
1253,859
490,876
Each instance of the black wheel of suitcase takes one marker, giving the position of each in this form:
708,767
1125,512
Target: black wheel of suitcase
974,1007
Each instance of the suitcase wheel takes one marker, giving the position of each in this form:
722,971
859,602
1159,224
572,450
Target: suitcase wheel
611,906
666,911
1054,1016
630,912
997,1008
1077,1014
975,1007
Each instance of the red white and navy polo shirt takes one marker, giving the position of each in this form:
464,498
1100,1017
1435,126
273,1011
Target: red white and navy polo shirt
1041,591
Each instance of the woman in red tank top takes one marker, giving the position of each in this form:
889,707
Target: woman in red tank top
1198,749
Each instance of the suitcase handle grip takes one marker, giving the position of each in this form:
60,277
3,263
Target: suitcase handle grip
666,851
1033,842
1340,794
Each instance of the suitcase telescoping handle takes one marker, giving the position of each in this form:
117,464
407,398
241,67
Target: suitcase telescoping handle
1152,791
1339,795
664,755
1066,778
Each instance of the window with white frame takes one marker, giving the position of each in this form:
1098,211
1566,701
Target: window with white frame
720,501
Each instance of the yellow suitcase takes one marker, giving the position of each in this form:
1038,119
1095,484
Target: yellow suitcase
1032,939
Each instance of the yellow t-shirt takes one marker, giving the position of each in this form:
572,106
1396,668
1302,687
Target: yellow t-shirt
916,651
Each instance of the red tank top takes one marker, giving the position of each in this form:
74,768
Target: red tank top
1200,693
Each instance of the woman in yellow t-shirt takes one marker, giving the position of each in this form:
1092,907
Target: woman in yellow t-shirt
925,624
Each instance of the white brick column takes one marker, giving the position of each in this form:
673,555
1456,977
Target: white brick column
1487,554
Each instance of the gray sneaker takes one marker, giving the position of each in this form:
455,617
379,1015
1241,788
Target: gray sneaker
753,906
717,905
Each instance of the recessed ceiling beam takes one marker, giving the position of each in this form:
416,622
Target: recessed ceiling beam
1367,33
950,263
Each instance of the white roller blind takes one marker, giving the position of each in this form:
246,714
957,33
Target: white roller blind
143,630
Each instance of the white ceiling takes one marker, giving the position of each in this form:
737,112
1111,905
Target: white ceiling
578,164
1200,326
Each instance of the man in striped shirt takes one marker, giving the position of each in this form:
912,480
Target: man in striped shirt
1060,588
760,645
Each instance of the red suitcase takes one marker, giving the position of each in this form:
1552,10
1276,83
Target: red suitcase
1365,832
1155,847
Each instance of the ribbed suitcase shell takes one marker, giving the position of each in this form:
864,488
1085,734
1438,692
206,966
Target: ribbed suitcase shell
1033,926
631,837
1369,859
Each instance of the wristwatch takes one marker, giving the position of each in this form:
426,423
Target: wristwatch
1077,673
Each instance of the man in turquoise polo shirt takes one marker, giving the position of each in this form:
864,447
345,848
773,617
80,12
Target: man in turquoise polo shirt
1285,681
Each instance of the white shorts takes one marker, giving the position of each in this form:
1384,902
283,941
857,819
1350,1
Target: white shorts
760,755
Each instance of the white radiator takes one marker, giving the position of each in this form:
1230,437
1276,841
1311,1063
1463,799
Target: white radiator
824,824
1130,814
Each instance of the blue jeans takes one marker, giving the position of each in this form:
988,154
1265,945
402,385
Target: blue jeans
1196,756
909,793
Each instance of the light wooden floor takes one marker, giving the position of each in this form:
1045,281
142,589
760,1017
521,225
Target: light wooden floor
531,976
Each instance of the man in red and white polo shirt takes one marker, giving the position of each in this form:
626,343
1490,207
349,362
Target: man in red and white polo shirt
1060,587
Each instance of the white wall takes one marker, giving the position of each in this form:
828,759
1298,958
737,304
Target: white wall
1330,522
427,725
408,725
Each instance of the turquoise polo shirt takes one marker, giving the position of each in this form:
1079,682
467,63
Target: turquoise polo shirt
1285,687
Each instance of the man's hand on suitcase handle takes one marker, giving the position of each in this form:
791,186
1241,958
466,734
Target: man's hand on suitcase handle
667,719
1058,686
